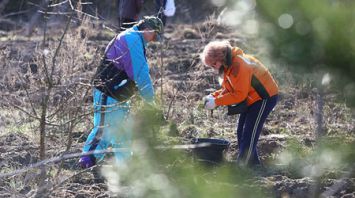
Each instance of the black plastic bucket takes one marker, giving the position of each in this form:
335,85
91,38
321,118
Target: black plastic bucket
210,150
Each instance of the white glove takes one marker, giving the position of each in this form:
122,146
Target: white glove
209,102
206,98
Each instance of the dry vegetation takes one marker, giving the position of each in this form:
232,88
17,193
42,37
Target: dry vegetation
46,107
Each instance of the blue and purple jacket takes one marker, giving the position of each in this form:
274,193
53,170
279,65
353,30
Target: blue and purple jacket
127,52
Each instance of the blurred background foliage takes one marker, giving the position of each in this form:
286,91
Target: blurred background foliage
313,36
155,171
330,155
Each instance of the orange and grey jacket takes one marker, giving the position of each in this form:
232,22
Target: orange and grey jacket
244,78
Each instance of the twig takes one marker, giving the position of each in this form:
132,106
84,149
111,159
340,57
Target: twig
59,46
29,98
24,111
70,138
161,75
59,183
58,4
171,103
319,113
15,13
75,155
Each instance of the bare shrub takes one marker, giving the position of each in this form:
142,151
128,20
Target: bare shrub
52,88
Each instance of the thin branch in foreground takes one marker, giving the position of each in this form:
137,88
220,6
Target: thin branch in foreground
29,98
111,150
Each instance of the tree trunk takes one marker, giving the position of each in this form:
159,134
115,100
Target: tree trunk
34,19
3,4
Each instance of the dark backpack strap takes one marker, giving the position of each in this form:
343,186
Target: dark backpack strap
113,82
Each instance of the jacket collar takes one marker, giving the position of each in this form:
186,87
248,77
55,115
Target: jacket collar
140,33
232,53
229,57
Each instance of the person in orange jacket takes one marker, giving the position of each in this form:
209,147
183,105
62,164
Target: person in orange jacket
247,88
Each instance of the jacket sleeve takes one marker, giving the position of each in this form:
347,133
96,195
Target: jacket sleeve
217,93
140,70
239,82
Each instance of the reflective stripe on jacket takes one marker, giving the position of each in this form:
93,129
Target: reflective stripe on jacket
246,78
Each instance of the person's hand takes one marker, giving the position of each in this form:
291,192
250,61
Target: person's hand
206,98
209,102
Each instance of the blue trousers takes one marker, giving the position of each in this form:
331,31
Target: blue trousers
112,127
249,128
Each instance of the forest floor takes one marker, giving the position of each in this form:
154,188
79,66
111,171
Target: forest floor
185,82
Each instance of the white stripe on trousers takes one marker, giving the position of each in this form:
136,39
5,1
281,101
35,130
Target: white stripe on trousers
255,129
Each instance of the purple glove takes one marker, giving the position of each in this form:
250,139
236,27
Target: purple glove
86,161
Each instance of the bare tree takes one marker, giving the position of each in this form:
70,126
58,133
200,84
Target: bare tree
34,19
3,4
54,93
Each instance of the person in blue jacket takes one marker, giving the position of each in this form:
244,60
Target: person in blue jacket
123,72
